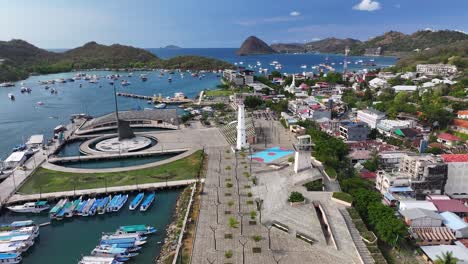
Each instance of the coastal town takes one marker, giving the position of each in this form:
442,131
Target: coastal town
348,148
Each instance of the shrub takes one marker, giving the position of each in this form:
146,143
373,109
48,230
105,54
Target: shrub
229,185
228,167
230,203
343,197
291,159
249,202
295,197
246,174
314,185
228,254
249,194
253,214
256,238
233,222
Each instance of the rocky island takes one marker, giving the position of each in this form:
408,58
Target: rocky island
253,45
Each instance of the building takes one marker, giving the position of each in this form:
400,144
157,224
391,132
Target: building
15,159
405,88
389,182
428,173
436,69
378,83
457,175
448,140
390,160
456,224
418,217
370,116
303,150
432,253
460,124
243,77
353,131
387,127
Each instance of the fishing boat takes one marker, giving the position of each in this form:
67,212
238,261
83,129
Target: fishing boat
79,209
136,229
70,211
31,207
89,205
15,247
147,202
143,77
11,96
56,209
121,254
125,240
25,238
136,201
98,260
160,106
120,203
20,224
124,246
112,203
101,209
93,208
10,258
64,210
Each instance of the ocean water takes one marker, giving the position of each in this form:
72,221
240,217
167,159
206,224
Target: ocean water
64,242
22,118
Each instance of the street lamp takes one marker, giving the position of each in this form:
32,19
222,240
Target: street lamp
243,242
259,203
241,215
213,229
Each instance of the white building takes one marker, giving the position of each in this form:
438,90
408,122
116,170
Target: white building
436,69
241,133
387,126
378,83
370,116
16,158
457,175
405,88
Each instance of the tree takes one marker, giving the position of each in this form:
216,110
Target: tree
373,163
275,74
446,258
295,197
253,102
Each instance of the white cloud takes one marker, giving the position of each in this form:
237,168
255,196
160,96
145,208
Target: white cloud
295,13
367,5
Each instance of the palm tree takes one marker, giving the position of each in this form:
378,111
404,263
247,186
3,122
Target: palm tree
446,258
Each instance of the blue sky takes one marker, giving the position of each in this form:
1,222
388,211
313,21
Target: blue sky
218,23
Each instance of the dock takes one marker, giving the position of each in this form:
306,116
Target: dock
153,98
21,198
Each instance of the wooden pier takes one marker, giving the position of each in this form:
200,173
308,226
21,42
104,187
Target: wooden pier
154,98
21,198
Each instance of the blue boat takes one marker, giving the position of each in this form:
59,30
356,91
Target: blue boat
61,213
147,202
79,209
112,203
136,201
101,209
120,203
130,246
10,258
126,240
92,210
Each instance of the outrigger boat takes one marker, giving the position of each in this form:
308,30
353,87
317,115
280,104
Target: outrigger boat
101,209
70,211
136,201
120,203
56,209
89,204
147,202
63,211
112,203
121,254
136,229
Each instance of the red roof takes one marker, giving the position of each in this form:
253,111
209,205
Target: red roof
461,122
463,112
454,206
450,137
455,157
368,175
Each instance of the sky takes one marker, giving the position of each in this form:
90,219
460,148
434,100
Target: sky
218,23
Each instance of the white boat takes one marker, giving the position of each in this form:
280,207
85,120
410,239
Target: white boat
40,103
304,66
13,247
98,260
160,106
11,96
10,258
143,77
31,207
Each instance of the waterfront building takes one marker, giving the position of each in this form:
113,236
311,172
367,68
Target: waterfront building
370,116
436,69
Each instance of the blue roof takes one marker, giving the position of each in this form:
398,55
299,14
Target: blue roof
400,189
453,221
389,196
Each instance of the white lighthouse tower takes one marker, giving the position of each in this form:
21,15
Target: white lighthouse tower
241,134
303,149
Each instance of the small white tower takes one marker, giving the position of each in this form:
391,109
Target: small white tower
241,134
303,149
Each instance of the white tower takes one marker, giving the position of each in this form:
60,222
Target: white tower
241,134
303,149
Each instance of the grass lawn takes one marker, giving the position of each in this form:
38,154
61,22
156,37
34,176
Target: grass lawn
461,135
220,92
45,180
343,197
331,172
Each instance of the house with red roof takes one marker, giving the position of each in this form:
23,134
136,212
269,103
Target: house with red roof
452,205
448,139
460,124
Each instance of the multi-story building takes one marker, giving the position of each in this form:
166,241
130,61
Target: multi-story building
457,175
436,69
390,160
387,126
353,131
243,77
428,173
370,116
387,182
460,124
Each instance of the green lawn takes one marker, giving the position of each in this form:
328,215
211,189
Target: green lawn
220,92
45,180
331,172
343,197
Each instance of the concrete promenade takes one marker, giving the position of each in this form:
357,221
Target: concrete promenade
16,198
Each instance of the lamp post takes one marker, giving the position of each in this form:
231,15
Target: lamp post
241,215
269,226
259,203
217,213
243,242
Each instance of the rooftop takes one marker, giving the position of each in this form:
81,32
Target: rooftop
455,157
450,137
415,213
458,251
455,206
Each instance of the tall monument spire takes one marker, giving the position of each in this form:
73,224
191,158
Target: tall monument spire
123,127
241,134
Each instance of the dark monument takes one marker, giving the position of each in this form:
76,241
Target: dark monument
123,127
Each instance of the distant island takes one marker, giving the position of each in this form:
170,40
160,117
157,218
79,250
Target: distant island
172,47
19,59
253,45
390,43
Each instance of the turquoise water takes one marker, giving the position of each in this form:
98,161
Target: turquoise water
116,163
65,241
271,154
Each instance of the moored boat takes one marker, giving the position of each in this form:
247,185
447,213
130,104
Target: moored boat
101,208
61,213
136,201
90,205
70,211
136,229
147,202
56,209
160,106
98,260
112,203
120,203
10,258
31,207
